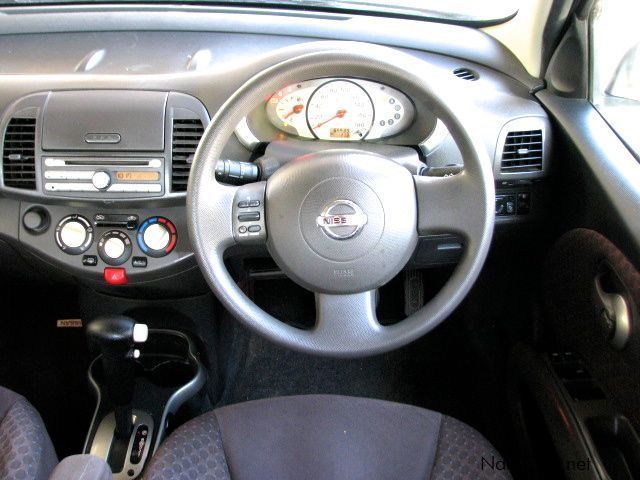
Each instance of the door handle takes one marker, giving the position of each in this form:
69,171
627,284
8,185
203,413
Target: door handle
615,313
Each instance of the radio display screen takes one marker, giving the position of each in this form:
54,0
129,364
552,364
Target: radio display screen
137,176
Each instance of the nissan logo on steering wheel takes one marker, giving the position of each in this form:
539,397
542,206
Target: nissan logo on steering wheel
341,219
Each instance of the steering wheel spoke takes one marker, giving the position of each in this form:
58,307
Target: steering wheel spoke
347,319
449,205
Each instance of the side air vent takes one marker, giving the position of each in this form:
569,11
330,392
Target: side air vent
186,137
18,154
522,152
466,74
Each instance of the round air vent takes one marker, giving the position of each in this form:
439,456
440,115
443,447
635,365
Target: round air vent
466,74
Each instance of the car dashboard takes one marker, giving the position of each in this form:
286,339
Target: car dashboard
99,128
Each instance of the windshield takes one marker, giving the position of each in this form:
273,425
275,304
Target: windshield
455,11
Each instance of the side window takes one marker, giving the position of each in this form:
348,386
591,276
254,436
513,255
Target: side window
615,67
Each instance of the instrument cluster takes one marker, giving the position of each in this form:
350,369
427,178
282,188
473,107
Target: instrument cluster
340,109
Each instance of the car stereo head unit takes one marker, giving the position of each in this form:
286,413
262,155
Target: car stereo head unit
103,174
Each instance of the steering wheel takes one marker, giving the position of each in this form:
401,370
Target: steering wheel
343,222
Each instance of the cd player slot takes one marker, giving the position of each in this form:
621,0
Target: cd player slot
110,163
102,162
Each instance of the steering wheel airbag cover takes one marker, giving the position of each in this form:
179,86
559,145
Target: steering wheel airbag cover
378,193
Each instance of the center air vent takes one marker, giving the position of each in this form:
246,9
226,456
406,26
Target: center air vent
186,137
466,74
522,152
18,154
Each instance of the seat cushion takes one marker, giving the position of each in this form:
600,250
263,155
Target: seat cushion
325,437
26,451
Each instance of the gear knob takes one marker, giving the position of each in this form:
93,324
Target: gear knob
117,336
117,332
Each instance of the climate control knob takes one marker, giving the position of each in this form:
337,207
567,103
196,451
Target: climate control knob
114,247
157,236
74,234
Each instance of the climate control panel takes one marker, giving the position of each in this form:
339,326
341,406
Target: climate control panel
112,246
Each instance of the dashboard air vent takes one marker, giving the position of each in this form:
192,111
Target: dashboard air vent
186,137
466,74
18,154
522,152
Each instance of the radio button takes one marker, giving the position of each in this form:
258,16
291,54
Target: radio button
68,175
69,187
101,180
249,217
136,187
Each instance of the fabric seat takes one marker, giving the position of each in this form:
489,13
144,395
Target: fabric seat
325,437
26,451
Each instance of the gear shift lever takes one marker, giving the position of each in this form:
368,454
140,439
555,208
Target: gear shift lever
116,336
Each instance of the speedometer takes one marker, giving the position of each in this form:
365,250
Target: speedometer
340,110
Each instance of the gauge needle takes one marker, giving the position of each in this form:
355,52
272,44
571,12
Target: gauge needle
296,109
339,114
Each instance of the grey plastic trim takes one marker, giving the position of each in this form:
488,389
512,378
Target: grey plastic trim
435,139
103,442
456,41
612,164
185,392
245,136
94,418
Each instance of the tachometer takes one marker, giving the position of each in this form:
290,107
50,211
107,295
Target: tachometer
287,110
340,110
